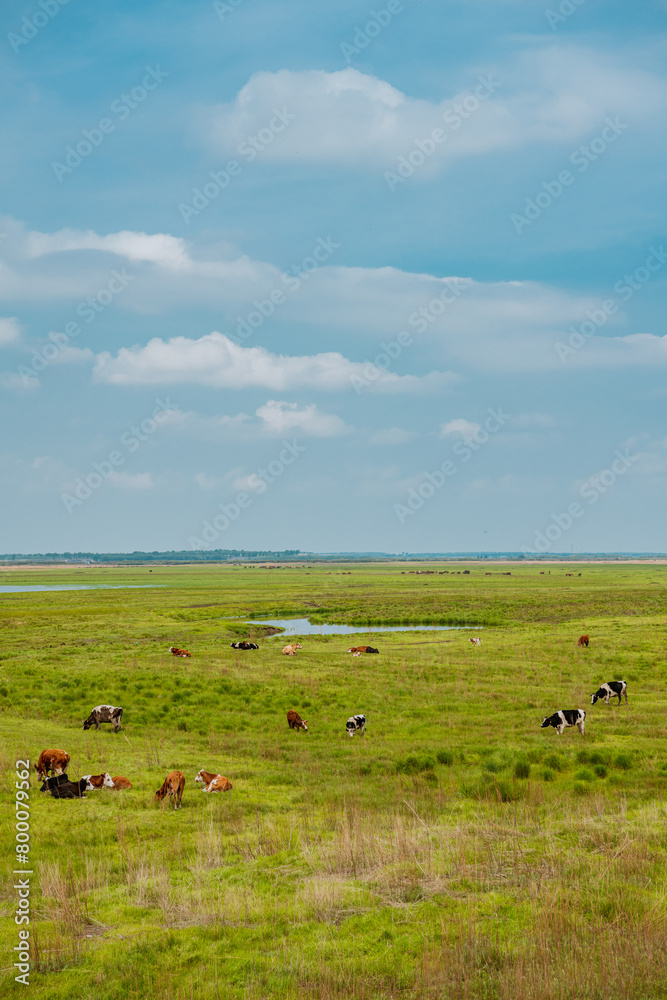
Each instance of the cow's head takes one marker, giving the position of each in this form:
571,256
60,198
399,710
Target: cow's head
545,723
351,728
87,723
303,725
200,776
594,698
108,780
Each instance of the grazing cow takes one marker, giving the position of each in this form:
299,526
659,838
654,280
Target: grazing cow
611,689
120,782
356,650
179,652
291,649
172,786
55,761
356,724
62,788
244,645
213,782
104,713
475,642
566,717
95,781
583,640
294,721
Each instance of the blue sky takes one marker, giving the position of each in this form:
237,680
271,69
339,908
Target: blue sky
361,277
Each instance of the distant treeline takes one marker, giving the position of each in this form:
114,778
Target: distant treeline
173,556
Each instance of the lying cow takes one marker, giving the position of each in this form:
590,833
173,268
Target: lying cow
213,782
583,640
62,788
291,649
179,652
566,717
244,645
172,786
357,650
356,724
294,721
475,641
120,782
611,689
95,781
54,761
104,713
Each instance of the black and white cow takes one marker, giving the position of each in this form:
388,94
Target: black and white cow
566,717
244,645
611,689
104,713
356,724
62,788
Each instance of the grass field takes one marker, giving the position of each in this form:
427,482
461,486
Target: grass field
457,851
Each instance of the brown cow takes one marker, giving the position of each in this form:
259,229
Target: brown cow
120,782
213,782
95,781
55,761
291,649
294,721
356,650
172,786
179,652
583,640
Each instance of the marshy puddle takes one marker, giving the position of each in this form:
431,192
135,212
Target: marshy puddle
81,586
303,626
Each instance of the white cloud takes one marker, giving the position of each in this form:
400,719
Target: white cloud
10,330
158,248
281,418
550,94
206,482
459,426
216,361
132,480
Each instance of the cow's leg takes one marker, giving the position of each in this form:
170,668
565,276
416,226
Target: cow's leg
626,697
97,724
580,727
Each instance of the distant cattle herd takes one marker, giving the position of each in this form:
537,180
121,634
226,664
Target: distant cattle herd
52,764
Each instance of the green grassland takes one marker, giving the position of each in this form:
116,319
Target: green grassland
457,851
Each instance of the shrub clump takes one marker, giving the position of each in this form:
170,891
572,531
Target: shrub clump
548,774
522,769
584,774
413,764
445,757
600,770
554,762
581,787
623,761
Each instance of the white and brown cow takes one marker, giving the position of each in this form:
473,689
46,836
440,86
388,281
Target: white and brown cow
104,713
290,650
611,689
476,641
213,782
172,786
95,781
294,721
120,782
358,650
54,761
566,717
179,652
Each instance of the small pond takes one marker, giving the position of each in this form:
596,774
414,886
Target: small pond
303,626
81,586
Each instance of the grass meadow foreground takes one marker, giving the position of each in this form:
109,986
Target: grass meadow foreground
457,851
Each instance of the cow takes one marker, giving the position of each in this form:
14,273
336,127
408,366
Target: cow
611,689
172,786
244,645
179,652
356,650
475,641
583,640
95,781
294,721
566,717
291,649
356,723
213,782
62,788
120,782
104,713
55,761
